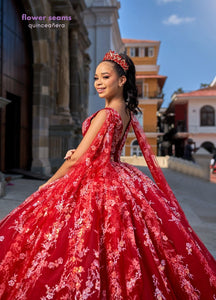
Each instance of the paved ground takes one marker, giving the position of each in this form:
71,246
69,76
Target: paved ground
213,177
196,196
198,200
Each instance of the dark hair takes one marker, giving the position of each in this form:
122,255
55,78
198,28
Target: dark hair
130,89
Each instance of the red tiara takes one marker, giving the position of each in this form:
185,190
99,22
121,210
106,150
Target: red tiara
113,56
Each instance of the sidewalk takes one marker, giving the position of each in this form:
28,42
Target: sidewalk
16,193
196,196
213,178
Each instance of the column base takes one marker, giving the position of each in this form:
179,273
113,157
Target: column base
63,111
62,137
41,166
61,119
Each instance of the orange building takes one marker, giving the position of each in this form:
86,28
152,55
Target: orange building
150,90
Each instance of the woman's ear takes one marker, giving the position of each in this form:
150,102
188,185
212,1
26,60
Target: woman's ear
122,80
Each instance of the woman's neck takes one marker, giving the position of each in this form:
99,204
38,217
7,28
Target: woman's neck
115,102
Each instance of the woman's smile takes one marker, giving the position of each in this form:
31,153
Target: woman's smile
100,90
106,81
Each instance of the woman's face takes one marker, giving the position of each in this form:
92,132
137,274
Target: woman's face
107,82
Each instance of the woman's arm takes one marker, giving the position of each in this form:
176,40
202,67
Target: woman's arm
95,126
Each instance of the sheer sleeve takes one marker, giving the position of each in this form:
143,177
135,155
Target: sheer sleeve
88,165
98,154
151,161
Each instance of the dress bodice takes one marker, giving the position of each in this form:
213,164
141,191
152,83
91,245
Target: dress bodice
118,140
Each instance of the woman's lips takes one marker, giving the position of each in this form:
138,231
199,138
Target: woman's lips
100,91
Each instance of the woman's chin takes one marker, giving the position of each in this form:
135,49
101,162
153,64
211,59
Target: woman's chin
101,95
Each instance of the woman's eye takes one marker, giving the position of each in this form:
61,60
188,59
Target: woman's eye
95,78
106,77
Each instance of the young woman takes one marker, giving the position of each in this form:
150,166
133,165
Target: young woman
99,228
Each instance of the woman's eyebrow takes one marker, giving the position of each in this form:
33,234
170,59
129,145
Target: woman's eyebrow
103,73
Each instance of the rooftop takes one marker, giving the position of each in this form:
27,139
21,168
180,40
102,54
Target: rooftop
151,76
205,92
133,41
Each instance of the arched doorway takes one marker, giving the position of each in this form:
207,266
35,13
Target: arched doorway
16,86
209,146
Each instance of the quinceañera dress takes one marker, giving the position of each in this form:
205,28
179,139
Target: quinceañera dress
104,231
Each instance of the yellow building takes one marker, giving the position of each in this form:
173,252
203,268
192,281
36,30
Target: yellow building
150,85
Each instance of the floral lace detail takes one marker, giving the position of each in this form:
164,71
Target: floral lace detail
56,263
104,231
158,293
189,248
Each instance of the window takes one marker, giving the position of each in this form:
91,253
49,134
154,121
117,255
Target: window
151,51
135,149
142,52
207,116
134,51
142,89
148,51
139,85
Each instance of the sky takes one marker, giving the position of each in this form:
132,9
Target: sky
187,32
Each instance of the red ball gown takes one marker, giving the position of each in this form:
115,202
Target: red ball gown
104,231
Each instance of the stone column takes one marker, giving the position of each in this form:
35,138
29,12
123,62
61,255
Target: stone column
86,84
3,103
40,126
63,78
74,73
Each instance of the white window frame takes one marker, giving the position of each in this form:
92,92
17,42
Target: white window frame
150,51
145,89
142,52
132,51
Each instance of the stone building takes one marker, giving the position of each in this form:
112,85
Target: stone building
101,19
44,73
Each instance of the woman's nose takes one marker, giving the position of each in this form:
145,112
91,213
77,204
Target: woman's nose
98,82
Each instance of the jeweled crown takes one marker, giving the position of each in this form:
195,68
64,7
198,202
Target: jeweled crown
113,56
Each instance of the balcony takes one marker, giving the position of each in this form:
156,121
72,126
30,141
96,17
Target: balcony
156,96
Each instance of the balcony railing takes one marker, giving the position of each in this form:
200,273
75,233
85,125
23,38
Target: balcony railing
151,96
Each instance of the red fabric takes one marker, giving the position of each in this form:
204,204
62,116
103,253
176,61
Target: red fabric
104,231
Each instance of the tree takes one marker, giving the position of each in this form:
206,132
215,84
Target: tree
204,85
178,91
